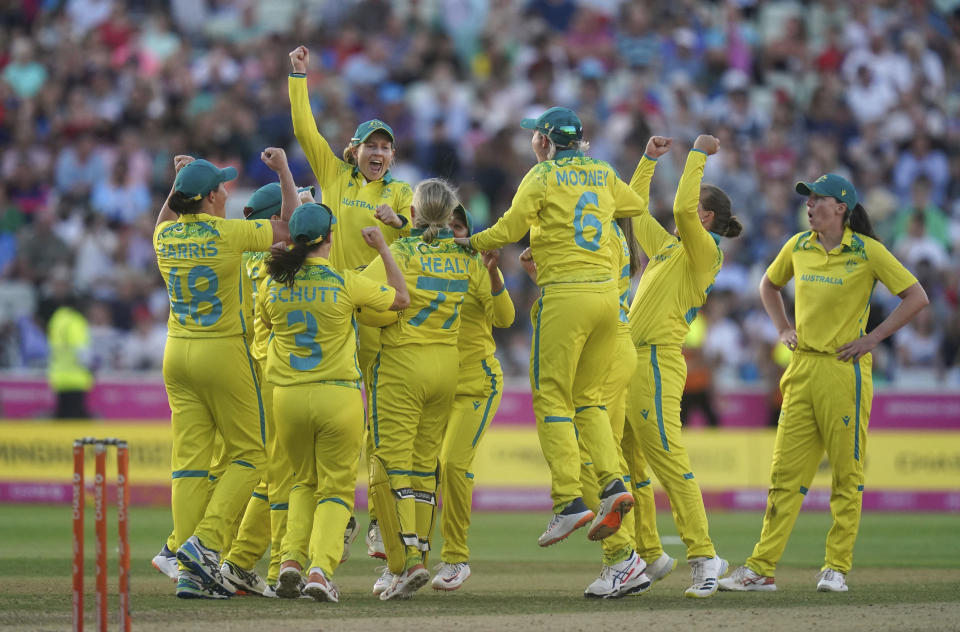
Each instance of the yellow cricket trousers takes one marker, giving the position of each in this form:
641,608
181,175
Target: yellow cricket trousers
477,398
826,405
575,331
622,363
653,411
321,429
265,519
212,386
413,391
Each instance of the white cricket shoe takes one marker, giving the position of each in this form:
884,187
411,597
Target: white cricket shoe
320,587
166,562
406,583
349,535
706,572
744,579
831,581
375,542
621,579
575,515
450,576
242,579
290,580
660,568
383,582
615,503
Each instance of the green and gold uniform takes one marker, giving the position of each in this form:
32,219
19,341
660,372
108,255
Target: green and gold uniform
621,544
312,365
570,200
353,201
208,371
265,519
826,402
415,375
672,289
479,390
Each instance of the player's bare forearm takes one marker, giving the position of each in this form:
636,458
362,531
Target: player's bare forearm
773,304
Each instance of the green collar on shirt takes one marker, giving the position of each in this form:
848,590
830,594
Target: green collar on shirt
443,234
715,236
567,153
387,178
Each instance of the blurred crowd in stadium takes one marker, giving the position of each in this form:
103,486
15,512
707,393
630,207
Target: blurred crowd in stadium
96,97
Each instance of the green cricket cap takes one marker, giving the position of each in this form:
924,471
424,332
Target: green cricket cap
831,185
561,125
369,127
267,200
200,177
311,222
467,217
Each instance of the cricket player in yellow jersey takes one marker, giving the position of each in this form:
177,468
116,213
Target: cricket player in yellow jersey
566,202
479,390
207,368
265,518
623,570
673,288
312,363
361,192
827,388
410,408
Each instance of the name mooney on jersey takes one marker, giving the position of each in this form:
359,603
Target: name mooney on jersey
577,178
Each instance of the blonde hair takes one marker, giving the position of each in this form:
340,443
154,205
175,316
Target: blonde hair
433,203
578,145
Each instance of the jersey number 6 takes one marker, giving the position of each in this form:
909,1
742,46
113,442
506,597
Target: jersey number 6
583,219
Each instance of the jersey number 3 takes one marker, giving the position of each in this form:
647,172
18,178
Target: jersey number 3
306,340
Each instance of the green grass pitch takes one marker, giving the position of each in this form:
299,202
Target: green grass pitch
906,576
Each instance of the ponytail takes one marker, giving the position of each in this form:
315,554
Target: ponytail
859,221
284,264
434,201
179,203
724,223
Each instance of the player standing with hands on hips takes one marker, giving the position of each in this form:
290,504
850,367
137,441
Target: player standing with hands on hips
827,388
673,288
207,368
567,201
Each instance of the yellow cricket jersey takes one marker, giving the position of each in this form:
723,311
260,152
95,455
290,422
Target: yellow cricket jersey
255,268
833,289
482,309
620,262
439,275
571,199
680,274
312,330
200,256
343,188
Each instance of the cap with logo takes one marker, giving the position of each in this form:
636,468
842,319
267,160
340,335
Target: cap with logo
364,130
561,125
311,222
266,201
200,177
831,185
